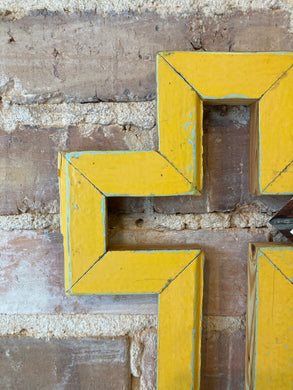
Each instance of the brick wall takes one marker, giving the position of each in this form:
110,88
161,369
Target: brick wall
81,76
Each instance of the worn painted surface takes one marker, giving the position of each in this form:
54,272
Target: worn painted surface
269,323
83,225
143,173
176,275
234,75
225,251
136,272
98,56
244,78
276,136
180,316
28,162
178,278
180,112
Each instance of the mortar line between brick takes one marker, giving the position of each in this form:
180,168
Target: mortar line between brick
98,325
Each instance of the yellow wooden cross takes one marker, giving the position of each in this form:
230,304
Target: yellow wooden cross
185,82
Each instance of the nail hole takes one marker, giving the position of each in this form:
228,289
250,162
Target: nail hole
139,222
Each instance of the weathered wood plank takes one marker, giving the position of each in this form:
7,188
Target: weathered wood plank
269,312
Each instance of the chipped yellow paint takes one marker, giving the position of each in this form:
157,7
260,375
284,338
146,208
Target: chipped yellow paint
131,173
86,180
176,370
177,276
185,81
282,260
180,123
224,75
272,355
276,128
86,223
134,272
234,78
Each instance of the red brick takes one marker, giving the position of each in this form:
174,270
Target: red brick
118,62
28,363
223,360
32,280
28,162
28,168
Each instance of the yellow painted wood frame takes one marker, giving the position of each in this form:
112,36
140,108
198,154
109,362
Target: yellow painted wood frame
86,179
185,82
262,80
269,330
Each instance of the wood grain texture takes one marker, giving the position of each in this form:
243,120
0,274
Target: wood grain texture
174,274
180,317
269,330
29,180
177,276
223,359
86,212
251,316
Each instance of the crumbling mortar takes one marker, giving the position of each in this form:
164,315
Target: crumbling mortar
141,115
100,325
75,325
13,9
245,217
30,221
